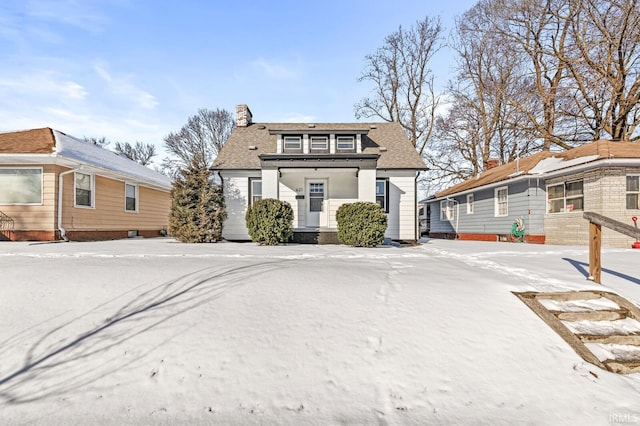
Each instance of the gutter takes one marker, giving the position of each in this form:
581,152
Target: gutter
63,232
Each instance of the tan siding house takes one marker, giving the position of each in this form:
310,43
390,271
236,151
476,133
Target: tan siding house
316,168
54,186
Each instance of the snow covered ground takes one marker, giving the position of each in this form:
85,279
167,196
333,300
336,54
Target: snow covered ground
157,332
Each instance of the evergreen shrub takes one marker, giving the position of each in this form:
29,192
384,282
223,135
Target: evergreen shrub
270,221
197,206
361,224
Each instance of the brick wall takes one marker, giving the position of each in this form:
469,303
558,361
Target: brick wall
604,193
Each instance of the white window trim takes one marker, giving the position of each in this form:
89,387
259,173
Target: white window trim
137,197
385,182
344,138
41,187
497,201
564,196
446,210
93,191
470,203
324,138
251,193
629,192
291,138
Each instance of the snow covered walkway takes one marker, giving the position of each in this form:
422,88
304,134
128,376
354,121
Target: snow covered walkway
157,332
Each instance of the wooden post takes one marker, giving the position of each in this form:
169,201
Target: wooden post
595,242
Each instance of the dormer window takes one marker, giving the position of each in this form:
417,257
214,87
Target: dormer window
292,144
319,143
346,143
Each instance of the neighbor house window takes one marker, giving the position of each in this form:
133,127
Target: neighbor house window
470,204
84,190
382,194
345,143
565,197
255,190
446,210
292,143
20,185
319,143
502,201
130,198
633,192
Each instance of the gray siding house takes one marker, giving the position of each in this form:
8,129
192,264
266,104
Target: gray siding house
548,192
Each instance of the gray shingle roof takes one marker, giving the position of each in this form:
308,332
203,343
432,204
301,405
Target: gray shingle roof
237,155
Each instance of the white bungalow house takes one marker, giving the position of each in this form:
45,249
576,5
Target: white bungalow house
317,167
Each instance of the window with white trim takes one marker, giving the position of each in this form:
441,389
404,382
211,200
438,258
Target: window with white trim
501,196
84,190
20,185
319,143
382,194
292,143
446,210
470,204
633,192
130,197
565,197
255,190
345,143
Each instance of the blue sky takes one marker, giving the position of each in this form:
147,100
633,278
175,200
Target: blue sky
136,70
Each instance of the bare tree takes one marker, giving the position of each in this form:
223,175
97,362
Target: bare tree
199,140
140,152
605,67
403,88
100,142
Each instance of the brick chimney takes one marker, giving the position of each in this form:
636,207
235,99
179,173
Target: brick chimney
493,162
243,115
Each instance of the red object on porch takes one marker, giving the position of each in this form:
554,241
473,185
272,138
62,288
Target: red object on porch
636,245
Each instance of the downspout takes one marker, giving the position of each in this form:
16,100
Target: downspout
416,229
63,233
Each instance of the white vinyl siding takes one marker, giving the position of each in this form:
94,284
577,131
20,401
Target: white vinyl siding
21,186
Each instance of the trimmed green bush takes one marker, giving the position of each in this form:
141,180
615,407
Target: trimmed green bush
361,224
270,221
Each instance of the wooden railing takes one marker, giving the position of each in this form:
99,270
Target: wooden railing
596,222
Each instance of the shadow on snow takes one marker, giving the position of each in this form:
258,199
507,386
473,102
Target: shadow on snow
58,361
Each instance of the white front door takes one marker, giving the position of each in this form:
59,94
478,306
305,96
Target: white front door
316,203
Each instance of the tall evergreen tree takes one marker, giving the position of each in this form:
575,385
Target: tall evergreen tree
197,206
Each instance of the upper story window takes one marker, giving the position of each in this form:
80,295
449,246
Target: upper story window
20,185
292,143
470,204
501,196
565,197
633,192
84,190
346,143
130,198
319,143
